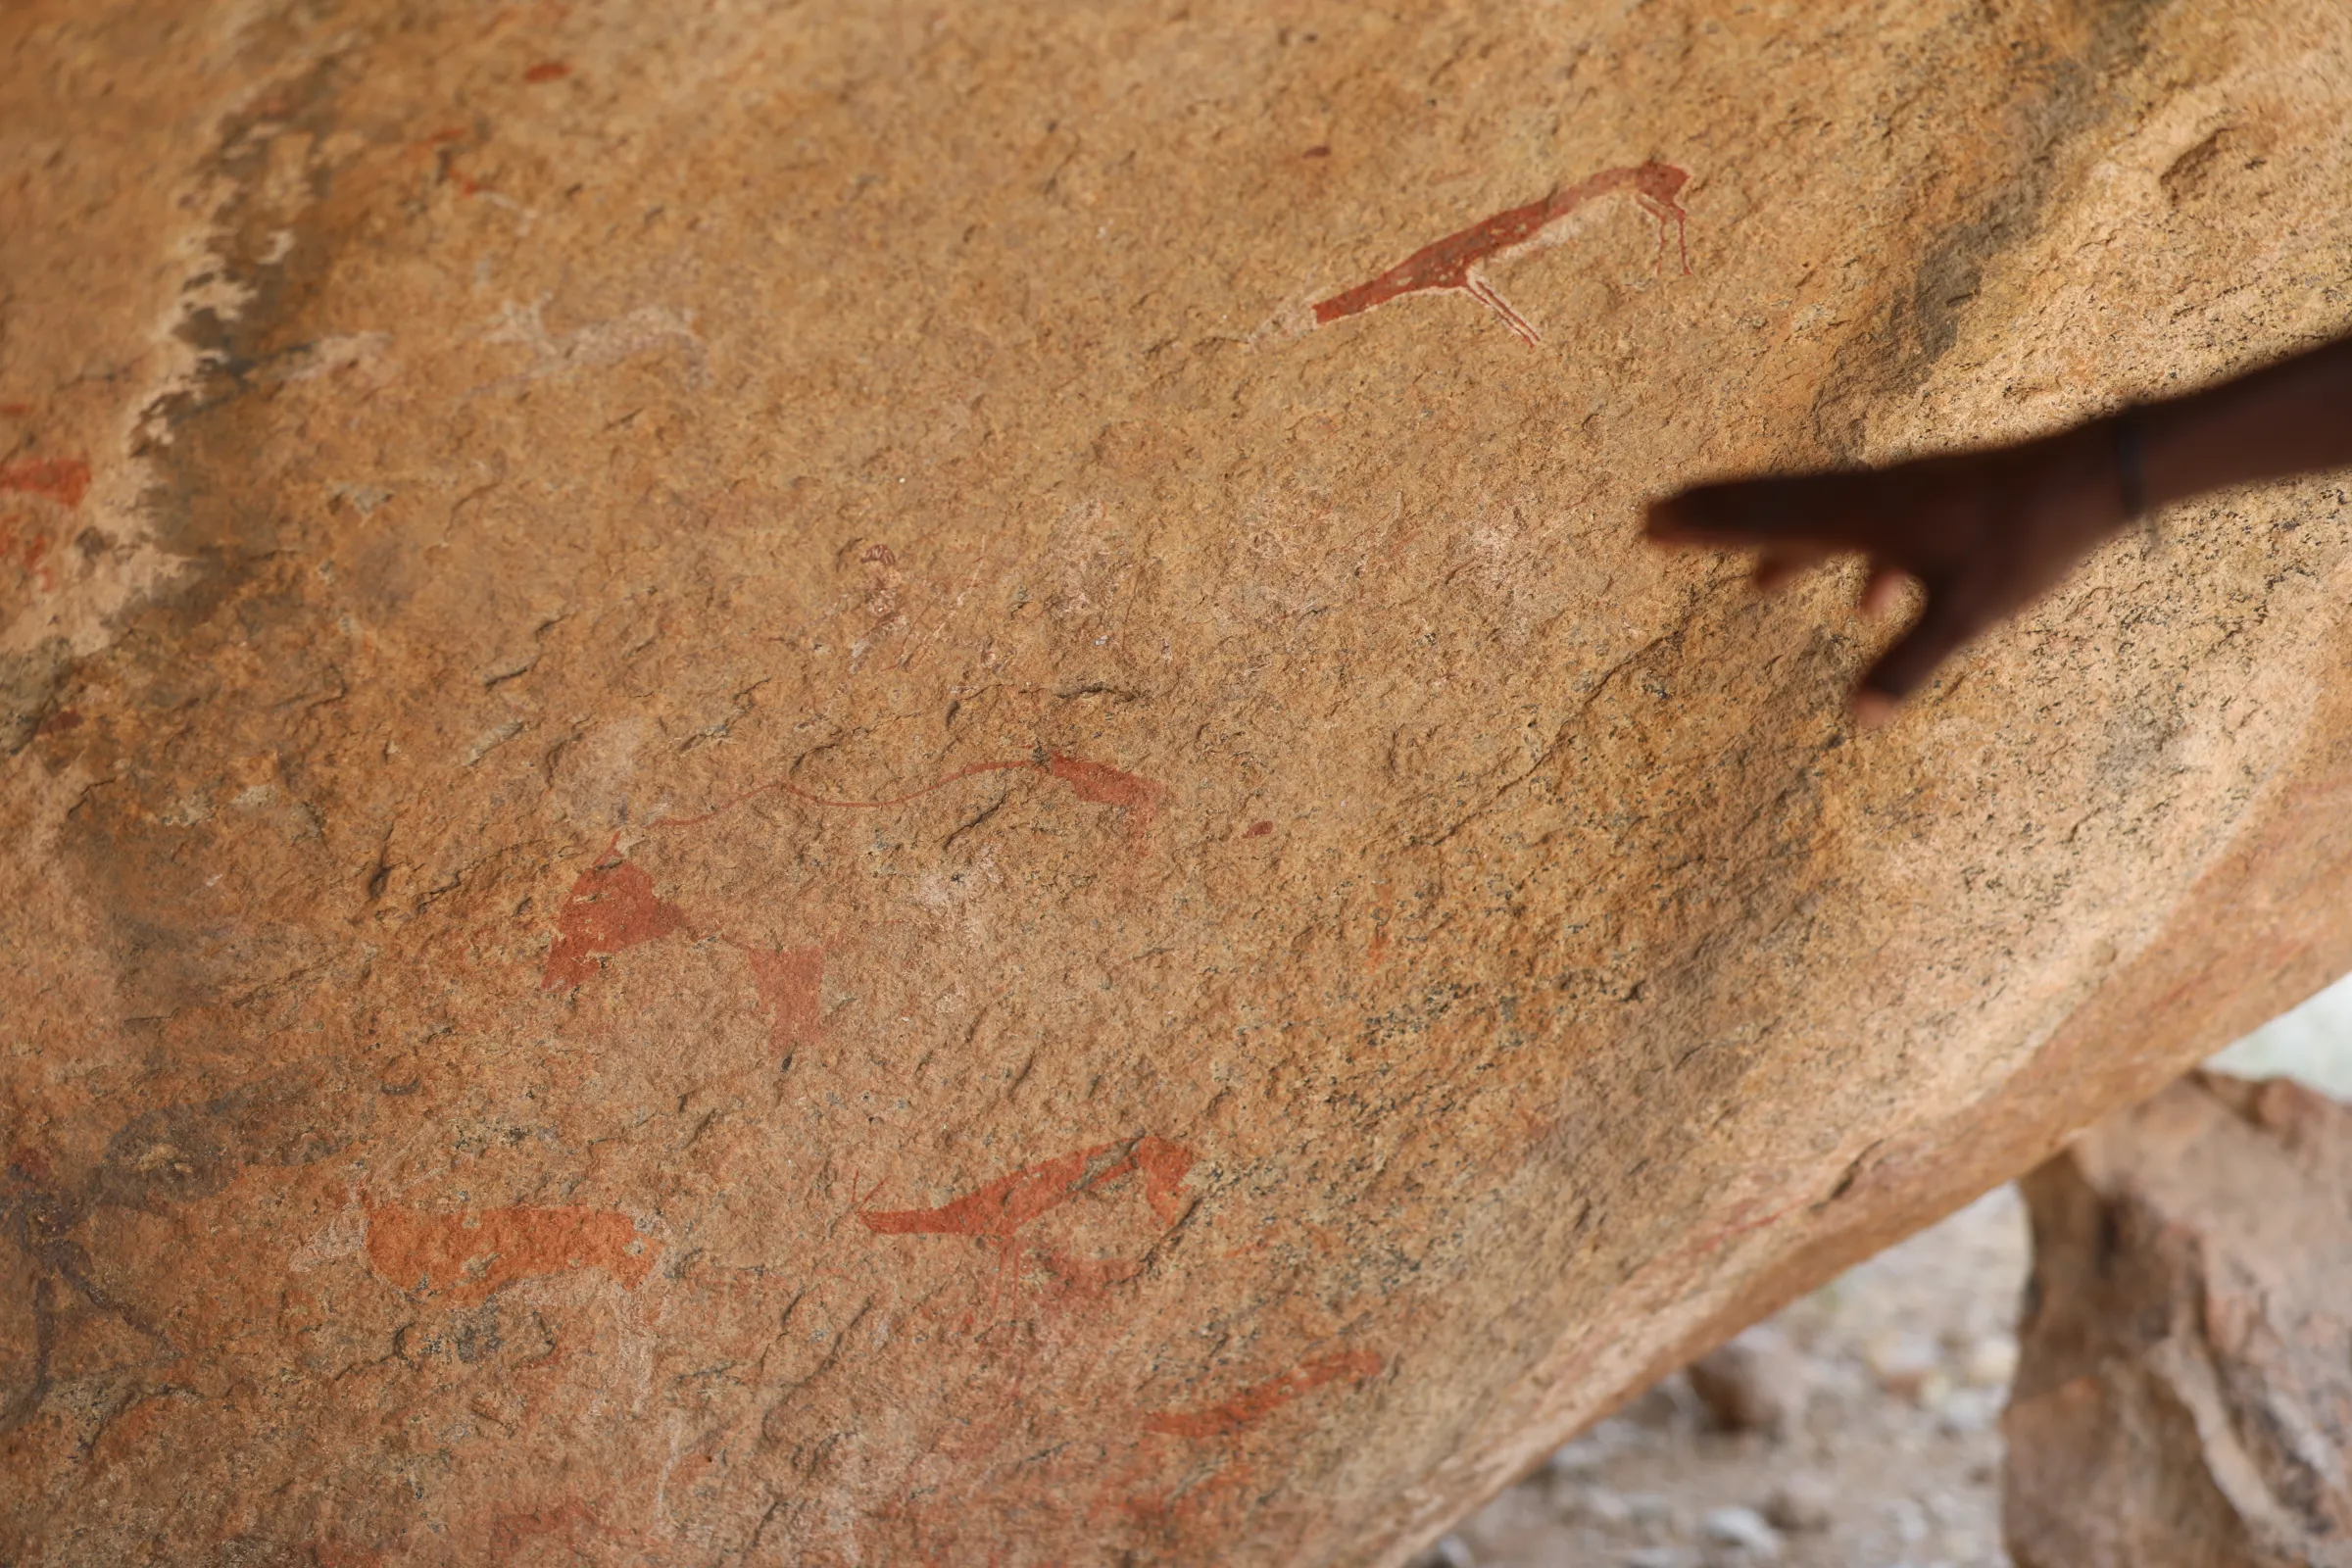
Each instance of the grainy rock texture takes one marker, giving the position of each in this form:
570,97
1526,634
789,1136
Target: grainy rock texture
2185,1399
758,809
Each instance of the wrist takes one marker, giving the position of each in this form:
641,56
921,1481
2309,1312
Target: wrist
2128,435
2170,463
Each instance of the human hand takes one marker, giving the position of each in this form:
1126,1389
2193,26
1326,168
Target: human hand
1983,532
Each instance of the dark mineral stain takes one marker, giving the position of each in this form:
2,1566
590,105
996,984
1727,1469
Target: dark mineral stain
159,1158
215,507
2053,97
182,1153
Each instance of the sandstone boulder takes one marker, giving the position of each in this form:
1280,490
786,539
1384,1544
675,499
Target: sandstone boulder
896,783
2185,1399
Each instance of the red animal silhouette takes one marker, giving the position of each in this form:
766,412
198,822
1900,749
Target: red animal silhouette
1452,263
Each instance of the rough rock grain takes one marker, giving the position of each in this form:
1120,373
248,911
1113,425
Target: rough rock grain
756,809
2185,1399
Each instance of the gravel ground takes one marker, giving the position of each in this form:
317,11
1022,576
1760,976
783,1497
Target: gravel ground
1890,1384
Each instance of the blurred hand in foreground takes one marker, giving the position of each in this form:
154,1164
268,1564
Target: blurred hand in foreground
1987,532
1983,532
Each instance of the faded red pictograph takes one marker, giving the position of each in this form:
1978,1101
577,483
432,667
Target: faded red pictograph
1100,784
571,1525
63,480
612,907
997,1212
1228,1417
469,1256
1002,1207
1204,1488
1454,263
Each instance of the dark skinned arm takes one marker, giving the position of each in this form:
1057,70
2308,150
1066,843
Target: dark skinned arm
1987,532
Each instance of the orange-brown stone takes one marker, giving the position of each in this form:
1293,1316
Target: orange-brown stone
755,809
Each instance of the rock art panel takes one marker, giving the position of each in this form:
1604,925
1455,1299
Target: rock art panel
828,790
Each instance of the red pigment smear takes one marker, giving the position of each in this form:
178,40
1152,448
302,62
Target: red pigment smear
567,1522
1005,1205
1259,830
1102,785
1165,1165
471,1257
790,982
63,480
1228,1417
1452,262
16,411
610,907
1742,1220
547,70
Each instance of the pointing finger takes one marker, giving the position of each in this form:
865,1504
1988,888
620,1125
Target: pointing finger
1949,621
1775,567
1816,510
1881,588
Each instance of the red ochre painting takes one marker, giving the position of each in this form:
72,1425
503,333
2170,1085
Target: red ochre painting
1182,1465
612,905
1454,262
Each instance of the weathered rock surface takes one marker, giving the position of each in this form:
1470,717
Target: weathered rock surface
2184,1397
756,809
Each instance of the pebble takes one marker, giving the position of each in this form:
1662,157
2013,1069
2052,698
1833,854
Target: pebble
1990,1362
1970,1411
1581,1457
1801,1504
1651,1509
1903,1360
1451,1551
1598,1504
1931,1392
1759,1382
1656,1558
1743,1528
